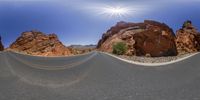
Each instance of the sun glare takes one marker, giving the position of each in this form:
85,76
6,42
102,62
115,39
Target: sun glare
115,11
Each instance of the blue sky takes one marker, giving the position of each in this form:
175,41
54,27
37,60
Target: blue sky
82,21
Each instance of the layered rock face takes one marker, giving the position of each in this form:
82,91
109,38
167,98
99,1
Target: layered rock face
187,39
1,45
149,38
38,43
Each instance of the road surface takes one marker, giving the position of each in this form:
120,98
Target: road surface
95,76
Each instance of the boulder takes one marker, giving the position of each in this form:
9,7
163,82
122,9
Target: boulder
1,45
38,43
148,38
187,39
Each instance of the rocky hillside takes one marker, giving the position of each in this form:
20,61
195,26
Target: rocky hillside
148,38
1,45
187,39
38,43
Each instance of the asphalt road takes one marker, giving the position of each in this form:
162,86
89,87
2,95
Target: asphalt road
95,76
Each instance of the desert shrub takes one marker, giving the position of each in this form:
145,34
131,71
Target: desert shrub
186,24
119,48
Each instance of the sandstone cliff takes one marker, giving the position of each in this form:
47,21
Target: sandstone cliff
38,43
187,39
1,45
148,38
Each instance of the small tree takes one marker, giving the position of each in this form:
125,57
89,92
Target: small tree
119,48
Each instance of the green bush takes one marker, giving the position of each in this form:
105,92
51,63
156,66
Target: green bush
186,24
119,48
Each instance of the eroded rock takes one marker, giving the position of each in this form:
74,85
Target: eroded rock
148,38
187,39
38,43
1,45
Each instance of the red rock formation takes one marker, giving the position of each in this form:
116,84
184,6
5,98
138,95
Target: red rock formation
149,38
38,43
187,39
1,45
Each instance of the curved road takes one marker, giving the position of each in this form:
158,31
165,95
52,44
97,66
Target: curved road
95,76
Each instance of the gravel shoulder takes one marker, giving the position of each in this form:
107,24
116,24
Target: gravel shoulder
144,59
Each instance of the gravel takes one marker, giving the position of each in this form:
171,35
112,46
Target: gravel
144,59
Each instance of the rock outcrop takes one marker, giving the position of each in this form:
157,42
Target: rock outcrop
149,38
1,45
187,39
38,43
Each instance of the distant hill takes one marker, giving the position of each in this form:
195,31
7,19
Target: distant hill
91,46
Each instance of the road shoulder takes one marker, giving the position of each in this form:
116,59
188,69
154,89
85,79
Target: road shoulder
151,64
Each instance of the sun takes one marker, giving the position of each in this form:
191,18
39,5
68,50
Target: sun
115,11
